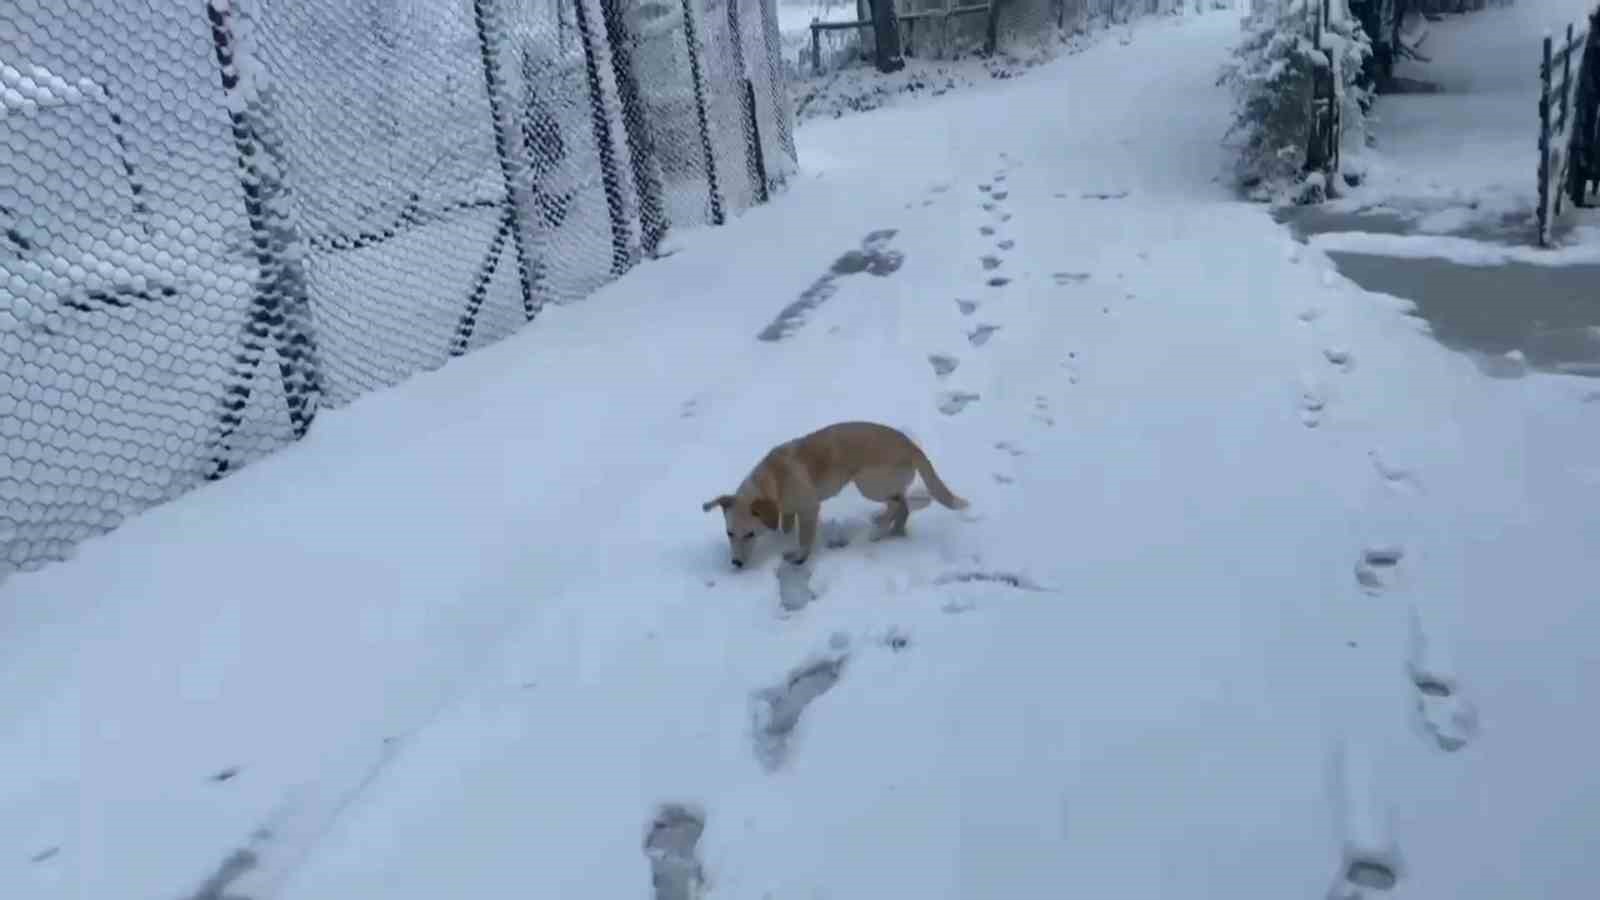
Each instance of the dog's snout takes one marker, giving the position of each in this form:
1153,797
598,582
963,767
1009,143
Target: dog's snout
738,564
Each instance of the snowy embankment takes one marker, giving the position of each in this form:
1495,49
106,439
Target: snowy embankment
1262,593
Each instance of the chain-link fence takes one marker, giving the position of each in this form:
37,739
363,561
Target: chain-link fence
218,216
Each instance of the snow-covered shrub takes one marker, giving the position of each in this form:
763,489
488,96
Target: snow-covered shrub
1271,78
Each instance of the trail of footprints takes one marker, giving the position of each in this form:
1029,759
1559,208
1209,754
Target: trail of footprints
1370,863
953,401
776,714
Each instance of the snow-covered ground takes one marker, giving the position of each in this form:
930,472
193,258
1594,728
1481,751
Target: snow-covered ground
1262,592
1460,155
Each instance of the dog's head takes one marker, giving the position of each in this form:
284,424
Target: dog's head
744,518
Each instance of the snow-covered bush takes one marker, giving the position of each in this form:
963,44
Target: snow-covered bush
1271,77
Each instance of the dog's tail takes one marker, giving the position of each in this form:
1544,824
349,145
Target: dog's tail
936,486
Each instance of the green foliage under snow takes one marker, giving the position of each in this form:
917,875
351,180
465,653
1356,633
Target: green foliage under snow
1271,78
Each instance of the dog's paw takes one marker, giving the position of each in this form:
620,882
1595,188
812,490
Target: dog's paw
795,557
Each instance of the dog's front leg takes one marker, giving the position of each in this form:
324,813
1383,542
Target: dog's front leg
808,537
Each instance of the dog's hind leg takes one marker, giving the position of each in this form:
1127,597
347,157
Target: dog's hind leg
896,513
888,486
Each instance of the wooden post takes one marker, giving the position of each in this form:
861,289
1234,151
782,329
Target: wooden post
1566,81
816,48
991,34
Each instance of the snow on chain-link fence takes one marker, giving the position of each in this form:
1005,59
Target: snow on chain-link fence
219,216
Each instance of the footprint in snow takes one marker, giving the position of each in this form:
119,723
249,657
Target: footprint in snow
1375,568
1014,580
794,587
1369,855
1065,278
986,230
980,335
1312,403
989,262
998,281
967,307
1041,411
943,363
895,639
953,402
1339,358
1006,244
669,844
1071,365
1396,478
1443,712
776,711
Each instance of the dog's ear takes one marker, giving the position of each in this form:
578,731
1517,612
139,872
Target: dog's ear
766,511
725,501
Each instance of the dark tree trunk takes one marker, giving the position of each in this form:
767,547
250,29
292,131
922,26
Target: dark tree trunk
886,33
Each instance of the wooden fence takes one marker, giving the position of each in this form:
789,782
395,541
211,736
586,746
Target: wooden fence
1568,162
914,19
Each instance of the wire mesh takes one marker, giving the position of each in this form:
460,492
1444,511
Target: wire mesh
218,217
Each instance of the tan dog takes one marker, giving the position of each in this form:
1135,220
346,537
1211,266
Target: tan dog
794,478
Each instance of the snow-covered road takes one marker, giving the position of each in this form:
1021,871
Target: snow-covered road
1262,593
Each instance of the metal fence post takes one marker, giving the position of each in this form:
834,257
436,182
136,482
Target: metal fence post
486,20
763,194
280,307
610,177
691,34
653,222
781,104
755,154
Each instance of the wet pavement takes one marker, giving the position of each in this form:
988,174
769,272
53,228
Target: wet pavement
1550,315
